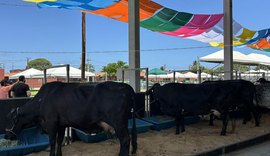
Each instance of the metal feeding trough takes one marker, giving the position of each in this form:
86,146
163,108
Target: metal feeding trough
30,140
164,122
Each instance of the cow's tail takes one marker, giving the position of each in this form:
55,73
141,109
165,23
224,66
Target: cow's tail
134,130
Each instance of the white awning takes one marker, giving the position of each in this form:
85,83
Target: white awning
238,57
177,75
29,73
262,59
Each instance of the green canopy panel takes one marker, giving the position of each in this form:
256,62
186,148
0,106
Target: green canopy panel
166,20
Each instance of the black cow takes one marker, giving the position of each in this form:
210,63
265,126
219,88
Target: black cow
81,105
262,81
177,99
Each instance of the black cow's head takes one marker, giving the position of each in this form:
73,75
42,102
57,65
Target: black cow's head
14,125
152,89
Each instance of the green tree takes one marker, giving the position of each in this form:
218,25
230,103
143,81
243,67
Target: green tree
111,68
195,65
90,68
262,67
39,63
237,67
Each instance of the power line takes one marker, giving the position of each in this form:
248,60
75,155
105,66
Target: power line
17,5
109,51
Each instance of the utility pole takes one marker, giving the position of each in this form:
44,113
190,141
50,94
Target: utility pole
27,60
83,48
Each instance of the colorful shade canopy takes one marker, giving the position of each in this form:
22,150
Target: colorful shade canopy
157,18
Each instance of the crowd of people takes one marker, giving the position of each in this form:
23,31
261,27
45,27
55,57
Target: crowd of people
11,89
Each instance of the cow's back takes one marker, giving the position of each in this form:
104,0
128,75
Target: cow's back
236,92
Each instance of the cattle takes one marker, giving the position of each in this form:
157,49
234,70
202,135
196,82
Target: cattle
262,94
81,105
262,81
177,99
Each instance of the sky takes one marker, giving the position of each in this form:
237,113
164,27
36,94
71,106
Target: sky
28,32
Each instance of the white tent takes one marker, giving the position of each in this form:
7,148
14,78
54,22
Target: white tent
29,73
177,75
238,57
262,59
205,75
62,72
190,75
157,76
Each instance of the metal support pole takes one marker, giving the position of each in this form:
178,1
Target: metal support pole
173,76
123,76
134,43
146,97
45,76
83,48
228,56
199,76
68,69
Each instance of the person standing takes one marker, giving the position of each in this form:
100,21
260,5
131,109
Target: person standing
5,89
20,89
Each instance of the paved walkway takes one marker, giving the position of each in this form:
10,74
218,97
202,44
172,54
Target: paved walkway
262,149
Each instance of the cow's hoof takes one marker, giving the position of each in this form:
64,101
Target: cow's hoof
183,130
223,134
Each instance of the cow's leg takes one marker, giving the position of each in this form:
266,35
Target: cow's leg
124,139
256,115
211,121
247,117
52,131
224,116
177,121
182,122
60,138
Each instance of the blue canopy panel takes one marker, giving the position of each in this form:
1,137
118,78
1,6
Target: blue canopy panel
79,4
261,34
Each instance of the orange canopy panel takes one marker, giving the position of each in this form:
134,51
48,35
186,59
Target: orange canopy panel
148,8
119,11
262,44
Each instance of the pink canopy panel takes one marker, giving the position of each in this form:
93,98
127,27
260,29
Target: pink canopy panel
197,25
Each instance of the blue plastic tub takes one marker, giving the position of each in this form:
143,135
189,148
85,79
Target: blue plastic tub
160,122
165,122
141,125
30,140
90,138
